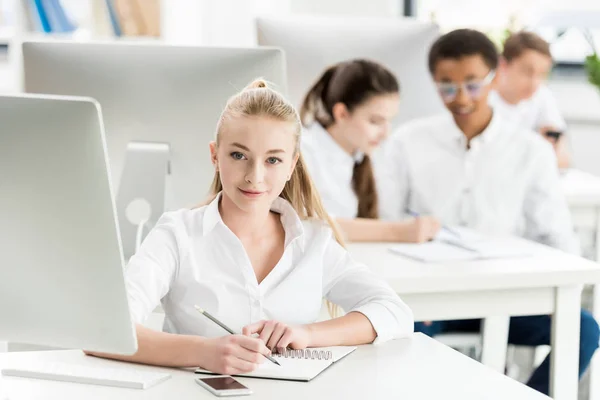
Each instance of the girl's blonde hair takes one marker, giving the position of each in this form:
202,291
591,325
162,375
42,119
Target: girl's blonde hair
259,100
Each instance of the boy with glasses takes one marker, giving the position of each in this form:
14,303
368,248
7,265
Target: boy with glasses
521,95
475,168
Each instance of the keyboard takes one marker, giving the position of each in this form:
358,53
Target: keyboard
125,378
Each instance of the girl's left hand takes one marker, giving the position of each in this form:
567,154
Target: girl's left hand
277,335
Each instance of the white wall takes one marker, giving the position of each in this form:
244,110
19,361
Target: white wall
580,103
213,23
364,8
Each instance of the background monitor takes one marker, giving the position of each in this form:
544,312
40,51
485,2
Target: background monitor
311,44
154,93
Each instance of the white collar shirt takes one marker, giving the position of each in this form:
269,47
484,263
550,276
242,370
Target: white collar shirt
505,183
192,258
331,169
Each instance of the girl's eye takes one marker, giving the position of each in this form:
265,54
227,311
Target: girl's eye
273,160
236,155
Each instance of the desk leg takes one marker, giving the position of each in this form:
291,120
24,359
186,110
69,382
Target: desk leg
495,342
594,387
564,362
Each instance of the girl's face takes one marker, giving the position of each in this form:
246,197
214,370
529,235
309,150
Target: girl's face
368,124
255,158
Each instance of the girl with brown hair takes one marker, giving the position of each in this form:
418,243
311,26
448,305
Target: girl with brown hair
347,114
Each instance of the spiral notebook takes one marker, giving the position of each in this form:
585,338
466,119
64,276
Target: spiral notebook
297,365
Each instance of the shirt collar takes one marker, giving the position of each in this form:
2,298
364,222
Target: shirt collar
332,148
488,134
292,224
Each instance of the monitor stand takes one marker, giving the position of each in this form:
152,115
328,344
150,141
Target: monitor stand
141,197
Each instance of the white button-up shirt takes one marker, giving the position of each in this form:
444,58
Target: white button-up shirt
192,258
331,169
507,183
541,110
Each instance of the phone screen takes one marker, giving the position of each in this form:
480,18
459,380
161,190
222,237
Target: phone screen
223,383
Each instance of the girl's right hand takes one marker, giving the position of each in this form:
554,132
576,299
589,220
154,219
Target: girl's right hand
233,354
422,229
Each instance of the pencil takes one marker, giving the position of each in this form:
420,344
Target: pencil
228,329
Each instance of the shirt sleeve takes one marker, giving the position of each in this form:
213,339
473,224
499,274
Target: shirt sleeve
393,185
355,288
547,215
151,270
549,114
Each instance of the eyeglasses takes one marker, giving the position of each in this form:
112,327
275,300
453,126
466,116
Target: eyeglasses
449,90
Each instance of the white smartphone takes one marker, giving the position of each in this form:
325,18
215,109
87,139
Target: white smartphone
223,386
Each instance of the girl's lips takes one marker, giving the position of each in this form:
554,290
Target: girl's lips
251,193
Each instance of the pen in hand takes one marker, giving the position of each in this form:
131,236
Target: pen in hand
228,329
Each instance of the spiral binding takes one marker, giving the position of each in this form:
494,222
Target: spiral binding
305,354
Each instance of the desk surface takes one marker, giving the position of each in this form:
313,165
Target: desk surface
412,368
547,267
581,188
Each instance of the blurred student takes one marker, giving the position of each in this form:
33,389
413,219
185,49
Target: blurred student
521,94
347,114
475,167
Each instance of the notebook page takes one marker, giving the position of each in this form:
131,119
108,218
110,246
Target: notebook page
467,245
486,246
291,368
297,369
338,352
434,252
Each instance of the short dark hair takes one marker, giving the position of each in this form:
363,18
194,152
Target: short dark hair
462,43
519,42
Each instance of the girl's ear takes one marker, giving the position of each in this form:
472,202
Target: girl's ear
213,154
340,112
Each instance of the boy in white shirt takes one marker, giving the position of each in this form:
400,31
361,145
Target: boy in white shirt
473,167
521,94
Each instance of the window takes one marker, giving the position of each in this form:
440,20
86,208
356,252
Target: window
563,23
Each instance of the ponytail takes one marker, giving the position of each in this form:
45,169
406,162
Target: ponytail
351,83
363,184
314,107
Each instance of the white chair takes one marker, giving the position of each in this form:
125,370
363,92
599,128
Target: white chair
469,344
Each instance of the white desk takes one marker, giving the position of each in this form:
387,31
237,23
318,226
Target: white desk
550,282
403,369
582,190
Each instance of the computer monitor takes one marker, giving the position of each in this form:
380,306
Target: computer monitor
311,44
61,264
154,93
